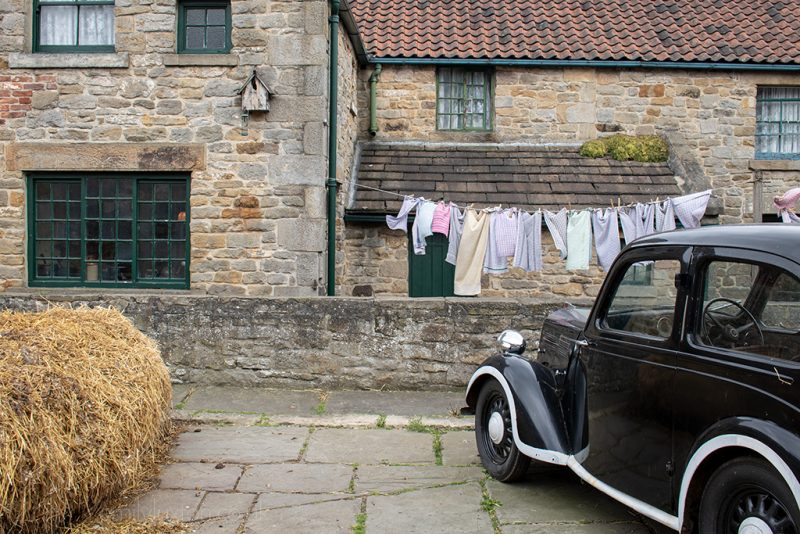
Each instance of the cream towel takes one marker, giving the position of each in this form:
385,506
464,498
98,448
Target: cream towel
471,252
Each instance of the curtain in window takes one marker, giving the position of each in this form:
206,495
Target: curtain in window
58,25
778,120
76,25
96,24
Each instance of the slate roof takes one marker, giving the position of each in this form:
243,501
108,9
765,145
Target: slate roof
760,31
527,177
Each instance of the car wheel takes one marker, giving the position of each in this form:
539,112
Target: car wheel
494,435
747,496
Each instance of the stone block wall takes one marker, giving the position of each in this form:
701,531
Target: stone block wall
708,116
258,196
316,343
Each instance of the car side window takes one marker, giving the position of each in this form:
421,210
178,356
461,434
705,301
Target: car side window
645,307
752,308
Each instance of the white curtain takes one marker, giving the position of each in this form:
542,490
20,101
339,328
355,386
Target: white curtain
778,120
90,25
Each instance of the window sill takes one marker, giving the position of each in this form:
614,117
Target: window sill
117,60
775,165
200,60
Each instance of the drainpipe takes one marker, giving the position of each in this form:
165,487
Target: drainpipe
373,106
333,77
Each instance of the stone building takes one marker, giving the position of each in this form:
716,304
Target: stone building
487,104
126,160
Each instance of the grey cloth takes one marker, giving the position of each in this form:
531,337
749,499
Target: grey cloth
665,216
557,224
494,262
400,221
456,229
645,219
579,240
606,236
691,208
528,253
627,218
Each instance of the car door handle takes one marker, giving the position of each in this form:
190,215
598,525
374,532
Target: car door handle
581,343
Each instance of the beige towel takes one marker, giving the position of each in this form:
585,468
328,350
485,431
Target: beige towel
471,252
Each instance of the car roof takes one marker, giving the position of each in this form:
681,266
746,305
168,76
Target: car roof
780,239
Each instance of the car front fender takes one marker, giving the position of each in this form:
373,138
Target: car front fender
537,419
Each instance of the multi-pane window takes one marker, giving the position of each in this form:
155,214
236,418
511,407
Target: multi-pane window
778,123
204,27
74,25
109,230
463,99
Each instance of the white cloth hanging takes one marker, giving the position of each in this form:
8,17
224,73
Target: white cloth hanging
790,217
690,208
422,226
605,225
528,253
557,224
400,221
627,218
665,216
579,240
456,229
645,219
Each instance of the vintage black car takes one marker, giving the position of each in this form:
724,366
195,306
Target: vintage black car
678,393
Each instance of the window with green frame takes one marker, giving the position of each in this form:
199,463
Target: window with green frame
778,123
73,26
463,99
204,27
108,230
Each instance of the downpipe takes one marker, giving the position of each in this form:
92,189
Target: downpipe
333,93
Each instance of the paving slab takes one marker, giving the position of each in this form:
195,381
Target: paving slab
268,501
244,445
175,504
451,509
357,446
574,528
459,448
405,403
193,475
300,478
223,525
392,478
258,400
554,495
220,505
319,518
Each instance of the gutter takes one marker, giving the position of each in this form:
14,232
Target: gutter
373,106
588,63
333,93
351,27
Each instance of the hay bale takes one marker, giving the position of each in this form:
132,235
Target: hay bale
84,414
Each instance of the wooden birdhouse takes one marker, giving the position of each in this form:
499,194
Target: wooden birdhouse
255,97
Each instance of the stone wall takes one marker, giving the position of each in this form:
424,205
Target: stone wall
258,199
316,342
709,116
377,263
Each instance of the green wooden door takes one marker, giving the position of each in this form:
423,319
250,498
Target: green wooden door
429,275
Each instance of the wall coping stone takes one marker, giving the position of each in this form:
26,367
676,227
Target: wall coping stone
774,165
119,60
200,60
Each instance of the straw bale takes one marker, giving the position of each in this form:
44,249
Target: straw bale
84,414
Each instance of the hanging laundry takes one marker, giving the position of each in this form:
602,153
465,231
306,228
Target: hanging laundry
502,241
579,240
456,228
788,200
471,252
422,226
400,221
665,216
691,208
788,216
645,220
441,219
528,252
627,218
606,236
557,224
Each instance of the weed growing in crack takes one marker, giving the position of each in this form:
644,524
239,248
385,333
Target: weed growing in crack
381,423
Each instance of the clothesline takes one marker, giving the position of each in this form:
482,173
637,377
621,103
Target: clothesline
619,206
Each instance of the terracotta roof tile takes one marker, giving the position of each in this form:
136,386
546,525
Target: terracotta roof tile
527,177
662,30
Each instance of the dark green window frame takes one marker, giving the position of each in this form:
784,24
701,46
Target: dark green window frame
460,93
185,24
778,122
108,230
67,49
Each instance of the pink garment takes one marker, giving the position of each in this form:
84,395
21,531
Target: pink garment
441,219
788,200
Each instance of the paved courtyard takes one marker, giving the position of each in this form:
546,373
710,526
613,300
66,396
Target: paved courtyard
262,477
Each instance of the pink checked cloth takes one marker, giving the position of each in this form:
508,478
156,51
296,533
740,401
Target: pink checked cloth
788,200
441,219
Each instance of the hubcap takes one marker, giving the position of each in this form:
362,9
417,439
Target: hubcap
754,525
496,428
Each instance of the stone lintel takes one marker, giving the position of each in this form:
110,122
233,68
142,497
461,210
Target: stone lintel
774,165
200,60
68,61
105,157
